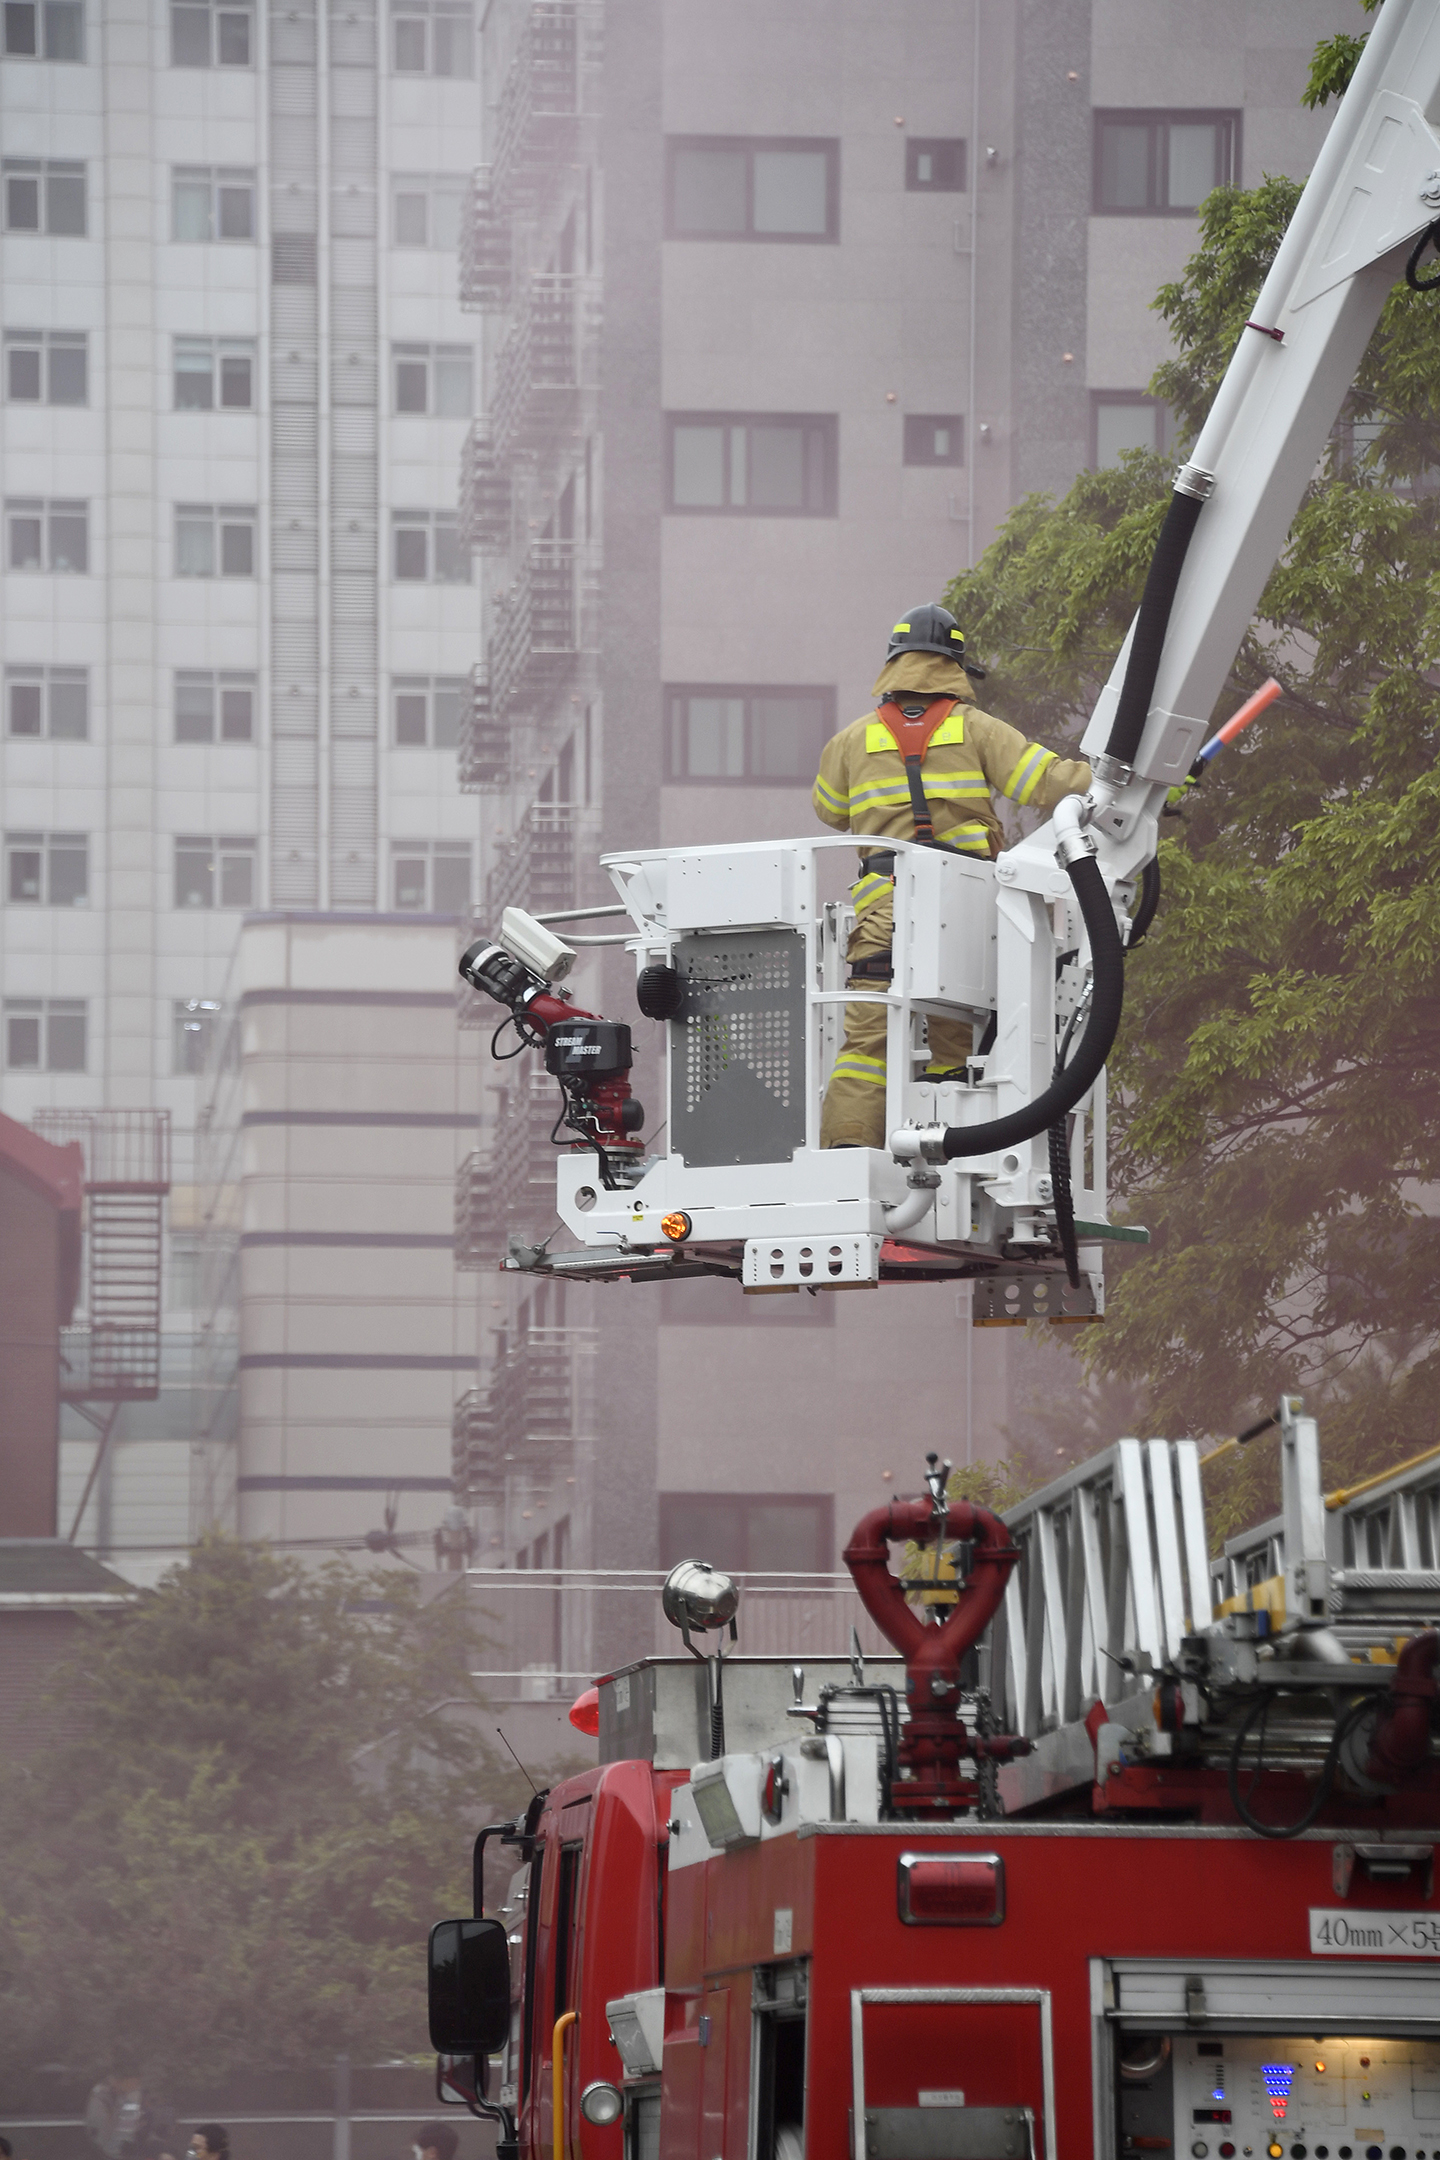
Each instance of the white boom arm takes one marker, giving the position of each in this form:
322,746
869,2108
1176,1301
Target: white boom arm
1375,187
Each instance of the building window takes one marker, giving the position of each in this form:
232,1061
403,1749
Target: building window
428,548
46,367
428,710
47,536
203,34
214,708
432,37
45,1035
1127,420
935,164
436,379
47,869
212,202
1163,164
48,703
214,375
425,212
214,873
214,541
771,1533
752,188
42,196
934,439
431,877
195,1024
44,30
753,464
770,734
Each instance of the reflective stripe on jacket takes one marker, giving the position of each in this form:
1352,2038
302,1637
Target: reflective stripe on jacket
861,785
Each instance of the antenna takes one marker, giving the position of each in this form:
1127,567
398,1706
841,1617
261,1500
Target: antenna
518,1764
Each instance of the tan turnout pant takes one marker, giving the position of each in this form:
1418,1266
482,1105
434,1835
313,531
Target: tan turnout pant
854,1110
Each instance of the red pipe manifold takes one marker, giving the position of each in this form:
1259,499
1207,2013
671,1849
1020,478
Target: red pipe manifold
1401,1740
935,1738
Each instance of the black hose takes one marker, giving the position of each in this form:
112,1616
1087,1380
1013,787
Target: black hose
1151,624
1261,1706
1107,956
1144,915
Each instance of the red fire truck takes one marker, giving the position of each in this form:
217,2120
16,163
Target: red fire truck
832,1910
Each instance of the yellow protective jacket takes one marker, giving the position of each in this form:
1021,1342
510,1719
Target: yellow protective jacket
861,785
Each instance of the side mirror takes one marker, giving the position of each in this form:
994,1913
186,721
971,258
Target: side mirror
469,1987
460,2080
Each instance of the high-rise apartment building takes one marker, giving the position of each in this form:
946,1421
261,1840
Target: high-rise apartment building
239,619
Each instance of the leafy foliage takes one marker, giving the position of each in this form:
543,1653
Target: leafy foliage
269,1793
1276,1088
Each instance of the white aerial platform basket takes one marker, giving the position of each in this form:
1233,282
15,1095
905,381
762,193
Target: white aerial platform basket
759,957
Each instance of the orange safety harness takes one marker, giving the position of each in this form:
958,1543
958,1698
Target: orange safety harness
911,729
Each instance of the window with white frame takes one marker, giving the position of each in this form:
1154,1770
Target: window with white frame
425,210
211,33
52,536
44,195
742,187
196,1021
212,202
431,877
428,548
46,367
45,1035
428,710
48,703
214,873
47,869
214,375
771,733
214,540
214,707
432,37
434,379
44,30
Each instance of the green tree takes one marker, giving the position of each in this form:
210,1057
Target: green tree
269,1791
1275,1106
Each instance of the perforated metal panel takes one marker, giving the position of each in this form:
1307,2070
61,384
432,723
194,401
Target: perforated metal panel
737,1091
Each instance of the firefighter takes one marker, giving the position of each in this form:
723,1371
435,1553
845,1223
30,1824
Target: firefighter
921,767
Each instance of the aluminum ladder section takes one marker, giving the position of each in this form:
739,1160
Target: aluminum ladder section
1381,1544
1113,1570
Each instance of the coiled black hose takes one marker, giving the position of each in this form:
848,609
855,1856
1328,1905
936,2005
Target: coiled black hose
1107,956
1260,1708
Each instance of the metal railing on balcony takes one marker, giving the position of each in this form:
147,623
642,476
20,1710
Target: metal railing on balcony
546,624
540,1624
486,244
548,90
535,870
484,748
485,492
521,1423
114,1356
548,361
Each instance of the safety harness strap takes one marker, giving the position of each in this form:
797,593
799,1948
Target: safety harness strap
911,729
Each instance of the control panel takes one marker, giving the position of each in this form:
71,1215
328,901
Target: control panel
1248,2096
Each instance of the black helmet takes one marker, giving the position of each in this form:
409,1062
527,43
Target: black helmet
930,628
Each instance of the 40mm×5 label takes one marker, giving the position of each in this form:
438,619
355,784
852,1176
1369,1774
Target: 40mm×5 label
1337,1933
